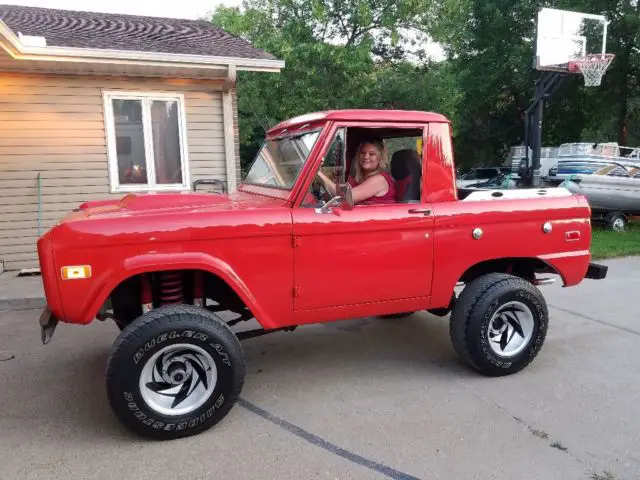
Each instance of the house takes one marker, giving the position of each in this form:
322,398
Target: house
96,105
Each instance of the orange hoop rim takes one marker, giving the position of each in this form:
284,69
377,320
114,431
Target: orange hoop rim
599,59
592,67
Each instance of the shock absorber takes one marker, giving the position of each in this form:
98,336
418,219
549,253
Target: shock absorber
171,288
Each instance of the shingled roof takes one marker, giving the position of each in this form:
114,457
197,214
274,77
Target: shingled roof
102,31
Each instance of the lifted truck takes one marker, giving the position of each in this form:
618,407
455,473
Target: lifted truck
177,271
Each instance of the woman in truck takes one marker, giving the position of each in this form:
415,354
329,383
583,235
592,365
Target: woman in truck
371,184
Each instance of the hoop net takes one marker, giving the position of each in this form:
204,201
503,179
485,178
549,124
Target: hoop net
592,67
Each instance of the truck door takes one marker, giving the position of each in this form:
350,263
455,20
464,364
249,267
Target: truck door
371,253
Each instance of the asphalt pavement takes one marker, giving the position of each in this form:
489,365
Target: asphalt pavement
363,399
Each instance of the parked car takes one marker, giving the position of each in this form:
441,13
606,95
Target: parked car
177,272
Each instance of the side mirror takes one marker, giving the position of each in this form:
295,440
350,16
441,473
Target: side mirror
343,196
344,191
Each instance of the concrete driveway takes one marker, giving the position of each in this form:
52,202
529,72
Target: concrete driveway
362,399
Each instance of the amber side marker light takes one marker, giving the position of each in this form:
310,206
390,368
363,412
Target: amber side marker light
76,272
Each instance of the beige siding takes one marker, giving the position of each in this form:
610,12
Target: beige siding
53,125
236,137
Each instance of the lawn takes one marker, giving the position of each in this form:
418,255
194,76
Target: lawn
607,244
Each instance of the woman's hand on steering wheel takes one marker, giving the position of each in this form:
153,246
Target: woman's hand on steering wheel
319,190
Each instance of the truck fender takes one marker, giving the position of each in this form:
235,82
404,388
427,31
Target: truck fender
153,262
571,267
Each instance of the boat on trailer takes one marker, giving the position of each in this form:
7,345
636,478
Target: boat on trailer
613,192
589,158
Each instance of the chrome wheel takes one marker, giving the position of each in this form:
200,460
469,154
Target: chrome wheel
618,225
178,379
510,329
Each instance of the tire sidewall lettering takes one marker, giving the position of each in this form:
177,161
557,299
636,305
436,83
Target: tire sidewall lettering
156,424
177,335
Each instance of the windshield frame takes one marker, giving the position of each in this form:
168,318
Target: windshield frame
287,190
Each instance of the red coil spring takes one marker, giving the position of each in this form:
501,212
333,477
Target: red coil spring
171,288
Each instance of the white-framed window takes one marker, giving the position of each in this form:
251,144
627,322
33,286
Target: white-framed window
146,141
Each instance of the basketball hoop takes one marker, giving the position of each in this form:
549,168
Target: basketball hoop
592,67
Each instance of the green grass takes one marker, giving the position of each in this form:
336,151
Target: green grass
608,244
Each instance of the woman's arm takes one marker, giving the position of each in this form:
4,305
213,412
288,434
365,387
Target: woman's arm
371,187
327,183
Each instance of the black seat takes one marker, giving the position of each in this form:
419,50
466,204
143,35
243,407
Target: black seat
407,172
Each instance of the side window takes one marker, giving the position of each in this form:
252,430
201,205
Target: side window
405,164
333,163
331,168
402,165
393,153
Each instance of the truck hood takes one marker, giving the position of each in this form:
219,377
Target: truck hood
149,221
151,203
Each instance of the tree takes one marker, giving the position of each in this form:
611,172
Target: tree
329,52
346,22
490,46
317,76
355,54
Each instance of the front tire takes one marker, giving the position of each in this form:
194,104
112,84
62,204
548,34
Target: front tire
499,324
174,372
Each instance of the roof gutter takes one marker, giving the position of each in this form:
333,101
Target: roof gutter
19,51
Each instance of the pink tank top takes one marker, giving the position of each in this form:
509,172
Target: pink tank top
389,197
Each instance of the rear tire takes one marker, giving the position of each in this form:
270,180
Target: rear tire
499,324
174,372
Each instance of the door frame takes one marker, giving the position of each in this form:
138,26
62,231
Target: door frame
327,136
373,308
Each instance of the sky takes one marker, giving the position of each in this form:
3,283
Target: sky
155,8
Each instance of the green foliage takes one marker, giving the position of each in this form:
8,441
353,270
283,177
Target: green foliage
359,54
490,46
320,75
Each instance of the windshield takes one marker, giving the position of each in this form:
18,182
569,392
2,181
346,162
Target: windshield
279,162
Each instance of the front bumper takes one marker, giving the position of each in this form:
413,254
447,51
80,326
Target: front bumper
596,271
48,323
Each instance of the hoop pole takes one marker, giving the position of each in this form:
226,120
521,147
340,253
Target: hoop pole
604,38
546,87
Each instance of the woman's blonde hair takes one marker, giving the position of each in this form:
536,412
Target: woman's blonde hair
382,155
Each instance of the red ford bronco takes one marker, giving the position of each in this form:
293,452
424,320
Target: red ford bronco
177,271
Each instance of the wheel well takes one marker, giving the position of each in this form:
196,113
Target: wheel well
525,268
150,290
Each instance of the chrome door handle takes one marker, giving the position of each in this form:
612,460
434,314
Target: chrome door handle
423,211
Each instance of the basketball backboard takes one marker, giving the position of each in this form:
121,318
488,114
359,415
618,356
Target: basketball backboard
564,36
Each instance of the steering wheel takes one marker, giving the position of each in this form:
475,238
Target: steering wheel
319,190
